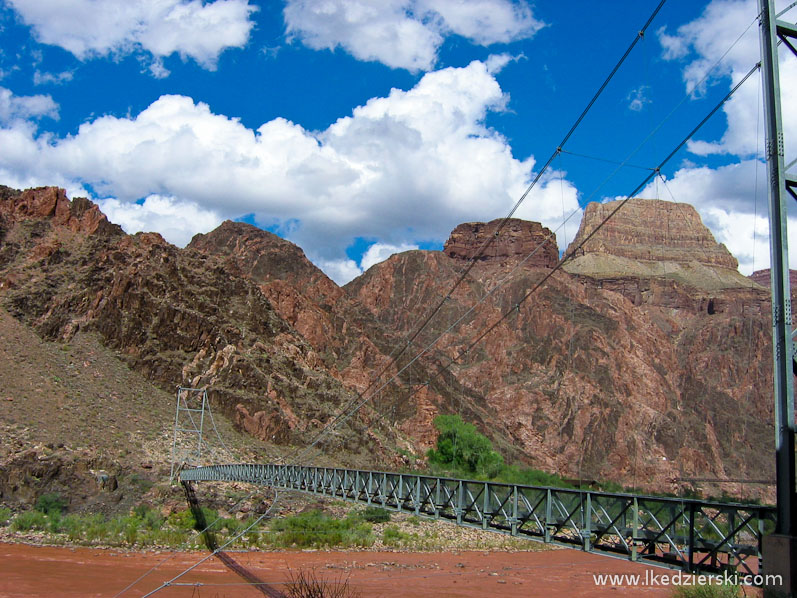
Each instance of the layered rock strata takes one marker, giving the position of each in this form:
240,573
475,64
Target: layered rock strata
636,377
650,230
510,241
633,375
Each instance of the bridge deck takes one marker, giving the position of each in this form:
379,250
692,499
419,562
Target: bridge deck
692,535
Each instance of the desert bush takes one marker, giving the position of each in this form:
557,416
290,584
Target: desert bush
373,514
72,526
463,451
96,528
182,520
512,474
393,536
317,529
50,503
306,583
712,591
461,446
29,520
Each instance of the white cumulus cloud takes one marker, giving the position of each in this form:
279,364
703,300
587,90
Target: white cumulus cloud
711,40
191,28
405,33
345,269
731,199
176,220
14,107
400,169
379,252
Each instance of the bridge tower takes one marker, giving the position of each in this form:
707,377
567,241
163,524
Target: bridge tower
189,423
780,548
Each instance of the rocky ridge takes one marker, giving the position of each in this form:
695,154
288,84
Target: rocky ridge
630,375
624,375
176,316
519,240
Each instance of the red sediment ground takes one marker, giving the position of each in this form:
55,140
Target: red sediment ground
56,572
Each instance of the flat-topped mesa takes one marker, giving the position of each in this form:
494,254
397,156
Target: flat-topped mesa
515,241
651,230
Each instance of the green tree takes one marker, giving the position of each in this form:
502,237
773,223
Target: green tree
461,447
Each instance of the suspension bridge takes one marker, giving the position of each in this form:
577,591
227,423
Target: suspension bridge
695,536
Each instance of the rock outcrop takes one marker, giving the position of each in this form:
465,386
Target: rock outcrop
660,253
650,230
338,329
763,278
78,216
640,379
646,362
517,240
188,316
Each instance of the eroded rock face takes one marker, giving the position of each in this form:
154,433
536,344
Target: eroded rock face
763,278
193,317
660,253
78,216
639,379
346,335
515,241
651,230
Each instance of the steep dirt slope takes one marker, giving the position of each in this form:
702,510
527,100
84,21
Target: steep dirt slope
175,316
75,419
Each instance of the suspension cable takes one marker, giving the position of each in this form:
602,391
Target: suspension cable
491,238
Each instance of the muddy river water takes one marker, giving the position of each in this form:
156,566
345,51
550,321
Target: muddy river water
43,571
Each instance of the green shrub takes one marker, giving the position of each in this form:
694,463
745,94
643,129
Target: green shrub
72,526
182,520
461,446
51,502
463,451
29,520
150,518
712,591
375,515
512,474
393,536
96,528
317,530
5,515
130,529
54,522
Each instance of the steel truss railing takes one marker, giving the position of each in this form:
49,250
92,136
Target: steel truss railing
693,535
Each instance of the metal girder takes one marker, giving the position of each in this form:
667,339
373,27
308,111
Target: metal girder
190,401
791,184
687,534
787,32
783,377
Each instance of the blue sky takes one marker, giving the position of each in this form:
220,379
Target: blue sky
358,128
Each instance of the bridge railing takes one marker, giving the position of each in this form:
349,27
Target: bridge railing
688,534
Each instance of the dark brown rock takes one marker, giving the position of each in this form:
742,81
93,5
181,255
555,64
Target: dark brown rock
515,241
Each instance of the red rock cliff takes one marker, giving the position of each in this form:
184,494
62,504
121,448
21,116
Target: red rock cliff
651,230
516,240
